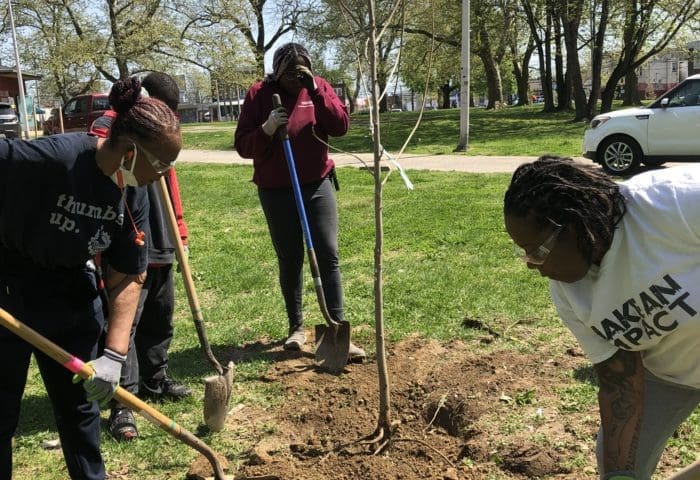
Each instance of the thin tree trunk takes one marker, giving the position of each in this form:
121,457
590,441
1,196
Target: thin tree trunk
383,421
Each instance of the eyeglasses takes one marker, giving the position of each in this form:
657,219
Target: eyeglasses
539,255
158,165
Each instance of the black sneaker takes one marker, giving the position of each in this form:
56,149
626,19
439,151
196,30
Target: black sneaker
122,424
164,389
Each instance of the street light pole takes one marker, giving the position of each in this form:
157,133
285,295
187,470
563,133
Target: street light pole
20,83
464,94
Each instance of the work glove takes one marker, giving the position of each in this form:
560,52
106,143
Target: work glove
103,382
277,118
306,78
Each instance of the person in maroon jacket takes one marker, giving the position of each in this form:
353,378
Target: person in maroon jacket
312,112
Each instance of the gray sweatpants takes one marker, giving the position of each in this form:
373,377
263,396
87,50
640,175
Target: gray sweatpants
666,406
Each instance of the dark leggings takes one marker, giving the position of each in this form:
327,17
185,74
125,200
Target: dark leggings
288,240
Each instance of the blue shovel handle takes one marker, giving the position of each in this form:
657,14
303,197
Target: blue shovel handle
315,272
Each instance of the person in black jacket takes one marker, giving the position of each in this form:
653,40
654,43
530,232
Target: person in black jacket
152,331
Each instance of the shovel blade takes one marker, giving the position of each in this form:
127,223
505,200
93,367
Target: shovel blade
217,393
333,346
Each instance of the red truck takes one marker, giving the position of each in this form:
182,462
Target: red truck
78,113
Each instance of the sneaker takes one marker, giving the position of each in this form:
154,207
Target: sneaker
356,354
164,389
122,424
295,340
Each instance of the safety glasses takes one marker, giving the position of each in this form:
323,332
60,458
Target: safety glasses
539,255
158,165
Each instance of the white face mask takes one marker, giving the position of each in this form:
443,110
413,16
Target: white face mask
124,177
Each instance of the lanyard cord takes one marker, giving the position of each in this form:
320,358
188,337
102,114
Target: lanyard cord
140,238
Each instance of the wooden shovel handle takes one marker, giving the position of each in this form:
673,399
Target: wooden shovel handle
187,278
84,370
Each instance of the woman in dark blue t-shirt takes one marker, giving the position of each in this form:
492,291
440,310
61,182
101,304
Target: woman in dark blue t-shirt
66,203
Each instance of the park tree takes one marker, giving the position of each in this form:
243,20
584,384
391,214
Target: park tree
539,14
128,33
47,45
259,23
569,14
521,46
491,23
343,26
431,48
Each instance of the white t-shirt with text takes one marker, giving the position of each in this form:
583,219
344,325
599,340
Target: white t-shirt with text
645,295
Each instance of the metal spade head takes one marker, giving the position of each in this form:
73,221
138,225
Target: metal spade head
332,346
217,393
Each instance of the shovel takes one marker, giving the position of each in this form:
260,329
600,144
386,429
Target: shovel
84,370
332,340
691,472
217,388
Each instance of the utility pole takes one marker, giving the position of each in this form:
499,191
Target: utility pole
464,94
22,104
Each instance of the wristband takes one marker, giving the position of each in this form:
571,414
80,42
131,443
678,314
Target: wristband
112,355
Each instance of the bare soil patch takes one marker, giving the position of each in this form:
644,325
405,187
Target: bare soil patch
461,415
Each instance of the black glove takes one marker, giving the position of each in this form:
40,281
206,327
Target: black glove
277,118
306,77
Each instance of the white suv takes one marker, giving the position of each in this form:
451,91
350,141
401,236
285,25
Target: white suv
667,130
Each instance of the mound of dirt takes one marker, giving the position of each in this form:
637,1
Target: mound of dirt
456,415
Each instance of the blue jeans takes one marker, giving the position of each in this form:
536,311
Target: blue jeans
288,241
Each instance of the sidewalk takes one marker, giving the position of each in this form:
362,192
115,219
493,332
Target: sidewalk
460,163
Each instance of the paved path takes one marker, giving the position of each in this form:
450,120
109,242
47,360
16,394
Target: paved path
461,163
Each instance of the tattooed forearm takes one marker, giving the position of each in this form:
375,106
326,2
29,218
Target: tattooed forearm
621,396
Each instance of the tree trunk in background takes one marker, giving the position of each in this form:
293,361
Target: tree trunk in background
547,69
571,14
522,72
563,87
631,95
597,59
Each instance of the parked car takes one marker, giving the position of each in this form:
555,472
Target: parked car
665,131
9,121
78,113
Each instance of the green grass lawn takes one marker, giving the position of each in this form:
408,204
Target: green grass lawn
447,258
509,131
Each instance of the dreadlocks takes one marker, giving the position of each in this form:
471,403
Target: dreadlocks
567,193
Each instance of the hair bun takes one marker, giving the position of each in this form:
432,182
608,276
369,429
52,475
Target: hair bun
124,94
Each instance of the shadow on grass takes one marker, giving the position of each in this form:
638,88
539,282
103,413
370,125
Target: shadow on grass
194,363
36,415
586,374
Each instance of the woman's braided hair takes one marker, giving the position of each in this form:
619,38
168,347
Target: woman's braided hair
555,189
138,116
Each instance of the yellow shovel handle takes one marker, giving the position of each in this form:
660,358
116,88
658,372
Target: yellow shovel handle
84,370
